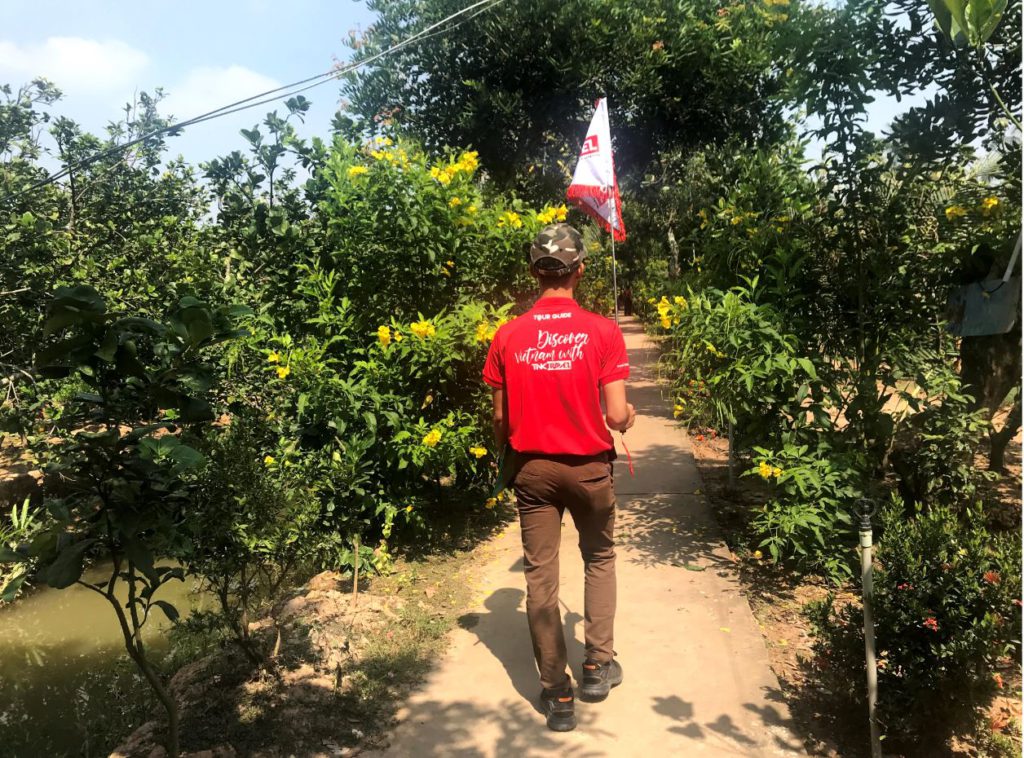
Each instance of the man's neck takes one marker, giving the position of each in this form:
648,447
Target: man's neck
556,292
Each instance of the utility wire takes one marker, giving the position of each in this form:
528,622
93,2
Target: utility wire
263,97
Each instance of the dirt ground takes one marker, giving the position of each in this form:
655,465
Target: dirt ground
345,663
778,598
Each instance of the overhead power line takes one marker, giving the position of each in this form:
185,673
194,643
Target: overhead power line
263,98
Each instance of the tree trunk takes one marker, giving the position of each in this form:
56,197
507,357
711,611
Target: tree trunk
999,440
673,247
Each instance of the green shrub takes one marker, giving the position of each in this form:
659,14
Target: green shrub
947,609
934,457
808,520
732,360
252,527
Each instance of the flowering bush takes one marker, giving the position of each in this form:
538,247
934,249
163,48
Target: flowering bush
947,613
807,520
732,360
408,235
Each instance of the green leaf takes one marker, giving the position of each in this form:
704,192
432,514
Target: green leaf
66,569
73,305
187,457
808,367
169,610
10,589
141,556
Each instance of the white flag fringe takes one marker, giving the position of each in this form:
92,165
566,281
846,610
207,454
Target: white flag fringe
594,187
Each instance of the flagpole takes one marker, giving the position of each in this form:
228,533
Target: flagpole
615,284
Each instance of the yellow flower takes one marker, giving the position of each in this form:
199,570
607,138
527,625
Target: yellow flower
680,301
764,470
510,218
989,204
471,209
491,502
469,161
445,272
398,336
736,220
378,155
268,460
423,329
443,175
355,171
274,357
384,335
666,322
408,509
776,472
449,264
678,410
758,555
386,141
482,331
427,401
455,201
561,212
479,452
283,371
955,211
546,216
431,438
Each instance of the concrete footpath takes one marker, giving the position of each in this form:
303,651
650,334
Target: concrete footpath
697,680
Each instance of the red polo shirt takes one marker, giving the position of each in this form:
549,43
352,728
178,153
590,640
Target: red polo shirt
552,362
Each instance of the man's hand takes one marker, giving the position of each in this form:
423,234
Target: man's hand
630,419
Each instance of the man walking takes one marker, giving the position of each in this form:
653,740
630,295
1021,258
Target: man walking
549,370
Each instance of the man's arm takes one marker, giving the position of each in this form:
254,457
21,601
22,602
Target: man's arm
498,420
619,414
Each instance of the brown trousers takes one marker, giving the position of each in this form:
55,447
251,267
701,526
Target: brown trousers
545,486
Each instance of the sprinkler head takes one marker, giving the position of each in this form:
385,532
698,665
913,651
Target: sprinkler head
866,508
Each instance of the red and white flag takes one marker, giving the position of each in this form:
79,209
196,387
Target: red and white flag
594,187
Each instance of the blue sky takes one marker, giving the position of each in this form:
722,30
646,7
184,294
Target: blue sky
204,55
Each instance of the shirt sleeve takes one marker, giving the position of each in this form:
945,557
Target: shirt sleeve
615,361
494,366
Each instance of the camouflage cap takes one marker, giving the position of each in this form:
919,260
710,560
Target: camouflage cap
557,250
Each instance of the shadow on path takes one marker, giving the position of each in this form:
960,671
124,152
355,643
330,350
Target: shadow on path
514,651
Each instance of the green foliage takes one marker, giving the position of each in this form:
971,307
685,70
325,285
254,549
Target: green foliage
935,460
947,613
739,363
517,82
118,482
808,520
250,527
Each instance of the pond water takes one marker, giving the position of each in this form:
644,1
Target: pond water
66,684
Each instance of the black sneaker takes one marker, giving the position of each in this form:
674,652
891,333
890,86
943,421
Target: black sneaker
559,709
598,680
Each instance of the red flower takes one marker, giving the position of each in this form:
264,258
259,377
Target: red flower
931,623
905,586
700,438
992,577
